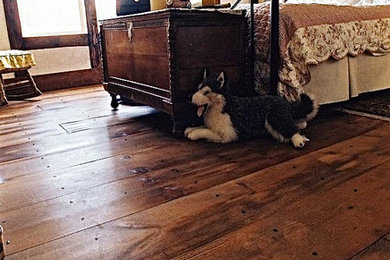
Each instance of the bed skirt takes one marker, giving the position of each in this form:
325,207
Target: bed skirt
335,81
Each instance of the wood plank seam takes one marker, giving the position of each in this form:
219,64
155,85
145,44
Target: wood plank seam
368,246
233,182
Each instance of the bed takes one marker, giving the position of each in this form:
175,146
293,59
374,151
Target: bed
333,51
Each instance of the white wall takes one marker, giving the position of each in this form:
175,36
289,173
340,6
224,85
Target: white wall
50,60
4,42
60,60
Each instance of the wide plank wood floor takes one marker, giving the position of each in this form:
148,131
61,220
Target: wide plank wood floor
80,181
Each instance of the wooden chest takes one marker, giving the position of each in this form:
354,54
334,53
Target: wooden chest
157,58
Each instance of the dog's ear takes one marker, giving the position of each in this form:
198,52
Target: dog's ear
221,79
205,73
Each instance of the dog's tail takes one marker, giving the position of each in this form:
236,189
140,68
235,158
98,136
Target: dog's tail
306,108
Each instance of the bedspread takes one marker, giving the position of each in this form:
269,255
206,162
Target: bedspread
313,33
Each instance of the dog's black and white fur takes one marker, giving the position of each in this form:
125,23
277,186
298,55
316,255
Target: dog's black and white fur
228,118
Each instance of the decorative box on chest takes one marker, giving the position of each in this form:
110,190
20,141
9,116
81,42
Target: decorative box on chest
157,58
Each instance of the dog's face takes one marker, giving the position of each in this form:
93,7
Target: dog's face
209,92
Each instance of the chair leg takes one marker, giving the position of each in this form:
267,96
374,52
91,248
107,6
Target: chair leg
2,254
32,83
3,98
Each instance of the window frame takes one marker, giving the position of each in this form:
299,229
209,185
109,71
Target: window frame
17,41
66,79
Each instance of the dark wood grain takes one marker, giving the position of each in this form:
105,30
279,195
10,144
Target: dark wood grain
251,199
13,24
378,250
168,50
32,43
78,180
312,226
93,37
69,79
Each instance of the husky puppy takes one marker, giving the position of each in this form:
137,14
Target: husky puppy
228,118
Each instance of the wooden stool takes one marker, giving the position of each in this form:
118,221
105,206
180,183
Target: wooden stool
18,62
2,254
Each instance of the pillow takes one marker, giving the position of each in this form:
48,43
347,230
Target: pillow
373,2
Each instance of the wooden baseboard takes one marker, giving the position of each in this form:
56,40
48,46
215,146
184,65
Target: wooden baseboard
69,79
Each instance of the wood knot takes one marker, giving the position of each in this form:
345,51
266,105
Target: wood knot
147,179
139,170
173,192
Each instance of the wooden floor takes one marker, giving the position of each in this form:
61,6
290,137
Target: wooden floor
79,181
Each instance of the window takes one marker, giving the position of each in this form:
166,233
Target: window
50,24
105,9
43,24
52,17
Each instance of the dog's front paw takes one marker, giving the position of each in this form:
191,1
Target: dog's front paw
192,135
299,141
187,131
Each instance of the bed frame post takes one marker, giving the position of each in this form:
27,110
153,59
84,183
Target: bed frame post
274,42
274,78
252,44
